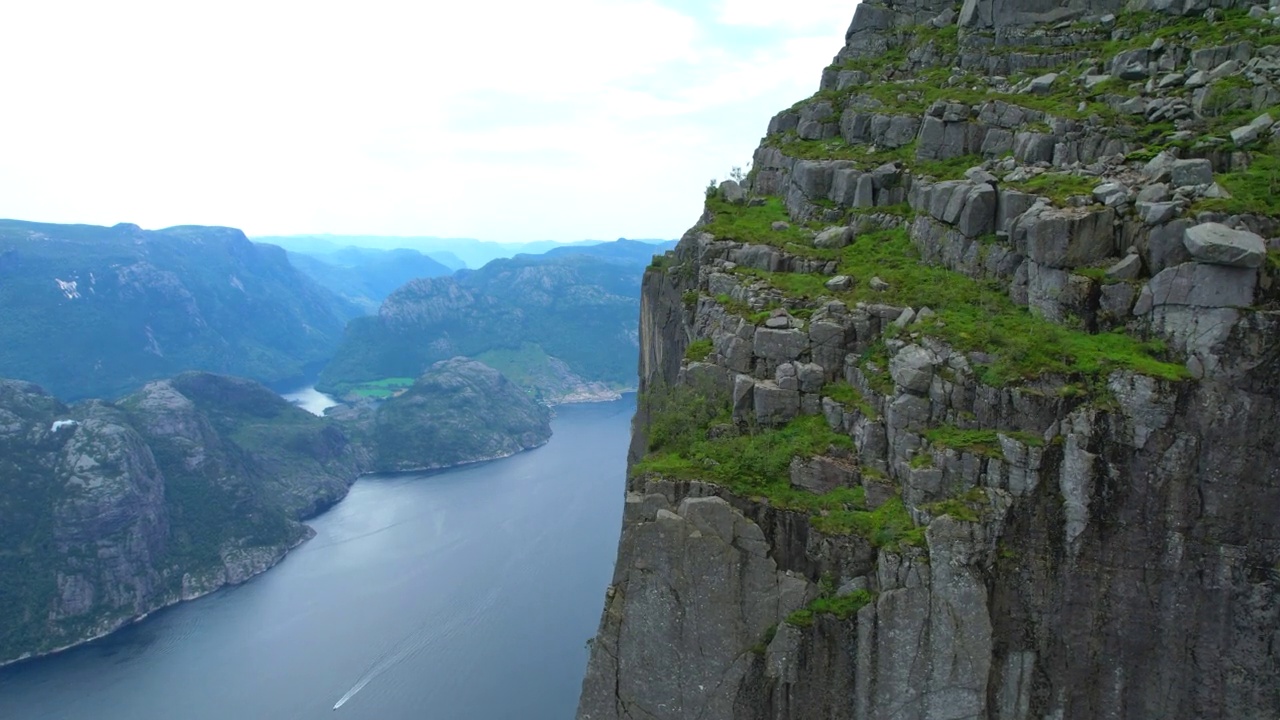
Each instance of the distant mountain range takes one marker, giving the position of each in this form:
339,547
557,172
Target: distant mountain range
365,277
97,311
561,324
455,253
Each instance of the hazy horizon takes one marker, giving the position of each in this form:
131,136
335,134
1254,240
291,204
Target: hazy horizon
505,122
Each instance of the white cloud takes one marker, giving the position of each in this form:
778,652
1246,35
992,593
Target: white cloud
807,15
505,120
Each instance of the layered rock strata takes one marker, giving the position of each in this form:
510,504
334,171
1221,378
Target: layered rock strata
1004,290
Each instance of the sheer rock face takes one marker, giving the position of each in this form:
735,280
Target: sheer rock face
1127,569
1123,560
112,511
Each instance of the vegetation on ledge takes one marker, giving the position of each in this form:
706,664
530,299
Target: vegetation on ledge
842,607
691,437
980,442
976,316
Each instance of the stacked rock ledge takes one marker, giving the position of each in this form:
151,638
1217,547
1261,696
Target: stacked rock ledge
962,530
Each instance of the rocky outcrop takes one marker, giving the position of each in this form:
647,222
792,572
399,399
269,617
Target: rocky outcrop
1029,467
459,411
115,510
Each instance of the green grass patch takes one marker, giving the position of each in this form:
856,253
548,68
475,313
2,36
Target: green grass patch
754,224
969,507
793,284
757,462
837,149
849,396
1058,187
381,389
946,169
889,526
841,607
698,350
981,442
1253,191
979,316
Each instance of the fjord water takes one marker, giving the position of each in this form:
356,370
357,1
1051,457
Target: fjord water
468,593
309,399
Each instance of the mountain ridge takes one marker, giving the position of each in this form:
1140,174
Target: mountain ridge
97,311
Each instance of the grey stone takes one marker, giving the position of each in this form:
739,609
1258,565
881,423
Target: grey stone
780,345
1093,81
1157,213
744,388
912,368
775,405
864,193
1042,84
979,176
1160,167
1214,190
731,192
1244,134
835,237
1068,237
943,19
1165,246
780,225
1111,194
1249,133
839,283
1185,173
1199,285
1220,245
1130,65
1129,268
1154,193
1226,69
701,559
811,377
978,214
905,318
821,474
1117,299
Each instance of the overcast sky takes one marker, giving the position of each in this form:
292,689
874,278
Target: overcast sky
504,120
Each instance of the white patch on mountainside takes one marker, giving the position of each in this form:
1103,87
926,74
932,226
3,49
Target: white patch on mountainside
153,346
59,424
235,283
68,288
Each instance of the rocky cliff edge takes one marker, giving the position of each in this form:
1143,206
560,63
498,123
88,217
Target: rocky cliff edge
961,406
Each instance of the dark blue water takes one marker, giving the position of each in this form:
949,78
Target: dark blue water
468,594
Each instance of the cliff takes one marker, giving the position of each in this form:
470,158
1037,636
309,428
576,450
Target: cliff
114,510
109,511
961,405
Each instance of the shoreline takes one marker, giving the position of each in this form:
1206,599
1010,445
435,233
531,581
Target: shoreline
171,601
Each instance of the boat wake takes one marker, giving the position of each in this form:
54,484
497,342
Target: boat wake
426,634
